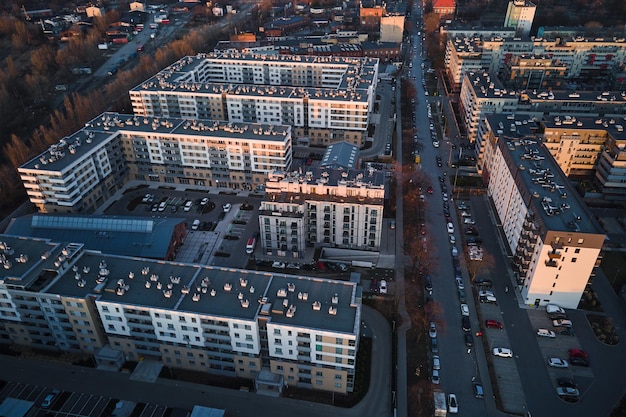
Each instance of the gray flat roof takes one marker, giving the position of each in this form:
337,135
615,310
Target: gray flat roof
546,189
108,125
209,290
487,85
614,126
341,154
615,97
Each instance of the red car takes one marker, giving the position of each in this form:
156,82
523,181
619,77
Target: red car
430,190
493,324
320,265
577,353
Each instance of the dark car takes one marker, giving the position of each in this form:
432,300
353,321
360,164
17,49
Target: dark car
374,285
576,361
565,331
557,316
465,323
428,283
434,345
566,382
469,340
483,282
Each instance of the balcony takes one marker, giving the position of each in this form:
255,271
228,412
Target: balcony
554,255
556,245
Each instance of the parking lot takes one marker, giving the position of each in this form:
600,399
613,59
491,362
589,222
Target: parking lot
69,404
220,237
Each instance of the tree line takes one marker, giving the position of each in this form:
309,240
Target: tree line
36,65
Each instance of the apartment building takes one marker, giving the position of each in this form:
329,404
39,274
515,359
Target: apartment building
325,99
303,332
322,207
80,172
520,15
582,57
604,104
555,240
482,93
532,72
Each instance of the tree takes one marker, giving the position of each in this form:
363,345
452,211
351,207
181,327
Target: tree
476,267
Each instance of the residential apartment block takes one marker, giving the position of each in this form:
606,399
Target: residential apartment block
582,57
80,172
322,207
324,99
482,93
593,148
303,332
555,240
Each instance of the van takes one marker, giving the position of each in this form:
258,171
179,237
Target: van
250,245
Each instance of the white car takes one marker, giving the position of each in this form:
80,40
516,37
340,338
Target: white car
455,251
195,224
445,198
464,310
432,331
435,377
546,333
382,287
553,308
468,220
278,264
485,293
204,201
459,284
227,207
453,405
557,363
450,227
561,323
502,352
436,362
452,239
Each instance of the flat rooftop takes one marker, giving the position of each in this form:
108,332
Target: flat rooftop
486,85
616,97
359,74
612,125
109,125
544,186
213,291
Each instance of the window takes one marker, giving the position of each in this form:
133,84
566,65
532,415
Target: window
574,259
581,241
338,385
318,348
577,250
279,351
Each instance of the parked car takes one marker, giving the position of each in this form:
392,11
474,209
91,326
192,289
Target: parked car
502,352
577,353
226,207
561,323
567,392
452,239
455,251
436,362
453,405
477,388
493,324
545,333
576,361
278,264
435,376
464,310
49,399
450,228
465,324
480,282
557,363
434,345
469,340
461,294
566,382
342,267
432,331
553,308
382,287
488,299
459,284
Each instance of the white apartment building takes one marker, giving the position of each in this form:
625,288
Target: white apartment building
581,56
520,15
552,235
324,99
84,169
481,94
322,207
224,321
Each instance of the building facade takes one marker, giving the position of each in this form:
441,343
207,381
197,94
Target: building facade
80,172
322,207
520,15
555,240
325,99
235,323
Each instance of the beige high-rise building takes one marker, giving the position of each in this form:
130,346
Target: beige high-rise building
520,15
